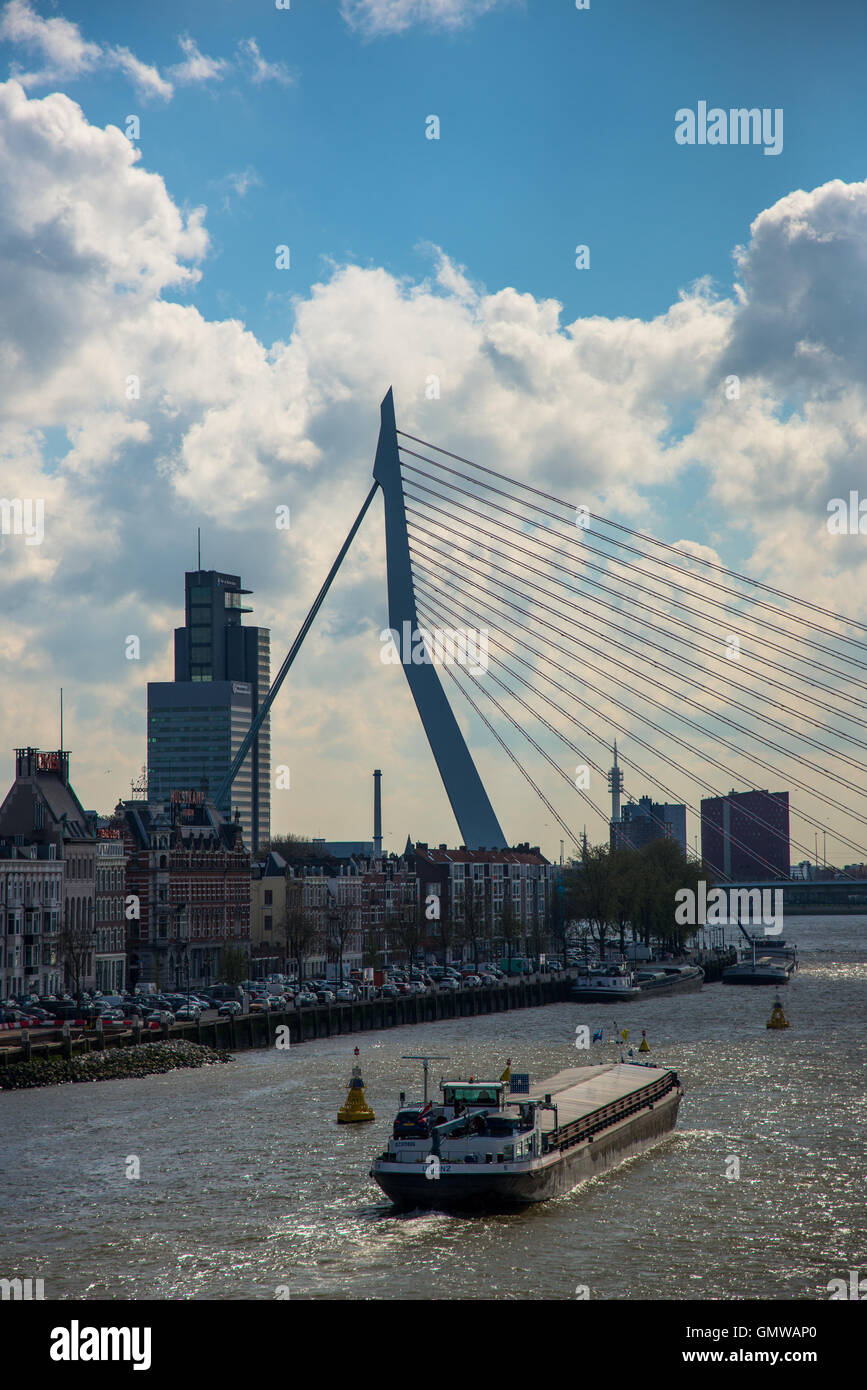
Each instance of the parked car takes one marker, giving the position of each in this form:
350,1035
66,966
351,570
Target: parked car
346,995
229,1008
159,1016
304,998
325,996
448,982
388,991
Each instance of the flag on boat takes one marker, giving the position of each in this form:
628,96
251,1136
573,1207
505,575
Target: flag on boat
507,1074
625,1035
423,1112
597,1036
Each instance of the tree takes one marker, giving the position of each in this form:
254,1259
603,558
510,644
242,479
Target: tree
408,928
474,926
299,927
591,892
341,924
234,965
75,944
510,929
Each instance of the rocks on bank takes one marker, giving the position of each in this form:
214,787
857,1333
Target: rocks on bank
111,1065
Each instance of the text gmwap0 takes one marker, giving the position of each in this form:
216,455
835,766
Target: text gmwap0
461,646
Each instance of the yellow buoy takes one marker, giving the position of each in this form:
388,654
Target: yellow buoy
778,1018
644,1045
356,1109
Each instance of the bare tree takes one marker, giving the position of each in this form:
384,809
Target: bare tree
300,927
75,943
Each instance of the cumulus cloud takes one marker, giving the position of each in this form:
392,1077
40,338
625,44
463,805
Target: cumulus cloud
66,54
173,421
197,67
259,68
373,17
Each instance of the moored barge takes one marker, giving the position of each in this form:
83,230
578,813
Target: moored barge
483,1148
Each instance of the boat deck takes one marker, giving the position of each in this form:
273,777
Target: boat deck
579,1091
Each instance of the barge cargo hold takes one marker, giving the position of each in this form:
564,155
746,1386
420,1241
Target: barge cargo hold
480,1148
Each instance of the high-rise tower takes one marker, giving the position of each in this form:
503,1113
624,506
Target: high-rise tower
197,722
615,786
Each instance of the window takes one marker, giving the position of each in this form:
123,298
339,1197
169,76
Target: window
269,897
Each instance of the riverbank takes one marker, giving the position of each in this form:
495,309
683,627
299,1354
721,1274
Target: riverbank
146,1059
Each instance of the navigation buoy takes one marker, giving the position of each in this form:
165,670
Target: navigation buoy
778,1018
644,1045
356,1109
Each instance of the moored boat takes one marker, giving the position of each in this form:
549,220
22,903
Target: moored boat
480,1147
657,978
606,984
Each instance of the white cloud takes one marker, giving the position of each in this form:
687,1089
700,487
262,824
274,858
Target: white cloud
197,67
67,55
226,428
373,17
260,70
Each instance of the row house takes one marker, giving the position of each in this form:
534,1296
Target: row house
187,890
31,908
42,809
110,919
479,883
348,901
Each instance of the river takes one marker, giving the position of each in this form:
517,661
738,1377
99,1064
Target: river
248,1186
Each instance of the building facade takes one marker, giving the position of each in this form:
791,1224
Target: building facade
477,888
110,922
41,808
31,909
187,884
644,820
745,835
197,722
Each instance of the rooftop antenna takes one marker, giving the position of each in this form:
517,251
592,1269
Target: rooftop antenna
199,546
434,1057
61,719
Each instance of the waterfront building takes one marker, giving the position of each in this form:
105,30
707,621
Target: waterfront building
197,722
643,821
41,808
31,908
359,898
110,923
478,883
188,872
745,835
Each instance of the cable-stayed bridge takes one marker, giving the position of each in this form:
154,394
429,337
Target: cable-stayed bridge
578,630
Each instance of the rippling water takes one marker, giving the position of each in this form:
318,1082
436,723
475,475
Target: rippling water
247,1183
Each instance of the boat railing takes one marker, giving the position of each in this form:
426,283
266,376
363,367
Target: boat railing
578,1131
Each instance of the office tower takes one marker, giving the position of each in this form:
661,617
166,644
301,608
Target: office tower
745,835
197,722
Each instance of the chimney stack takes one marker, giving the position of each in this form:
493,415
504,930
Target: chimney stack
377,814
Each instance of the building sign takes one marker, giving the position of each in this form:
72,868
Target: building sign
186,797
239,688
105,832
47,762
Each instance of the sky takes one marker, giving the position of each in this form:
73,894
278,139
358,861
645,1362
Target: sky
154,158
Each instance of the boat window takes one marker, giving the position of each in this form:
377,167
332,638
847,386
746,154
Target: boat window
471,1095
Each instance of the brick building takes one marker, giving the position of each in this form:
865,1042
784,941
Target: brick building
480,882
31,908
745,835
190,872
42,809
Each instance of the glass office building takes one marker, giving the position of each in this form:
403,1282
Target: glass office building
197,722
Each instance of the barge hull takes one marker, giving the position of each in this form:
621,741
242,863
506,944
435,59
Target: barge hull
490,1190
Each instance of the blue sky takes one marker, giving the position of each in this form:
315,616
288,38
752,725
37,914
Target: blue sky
556,129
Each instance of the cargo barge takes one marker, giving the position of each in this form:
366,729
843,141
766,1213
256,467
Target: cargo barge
482,1147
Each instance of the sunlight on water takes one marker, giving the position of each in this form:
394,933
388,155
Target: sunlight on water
247,1182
